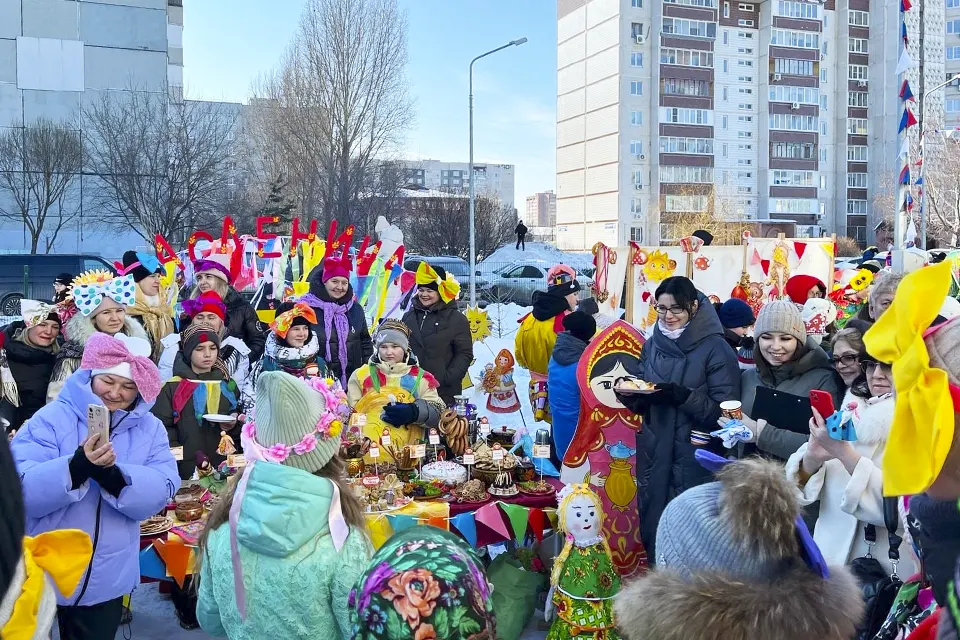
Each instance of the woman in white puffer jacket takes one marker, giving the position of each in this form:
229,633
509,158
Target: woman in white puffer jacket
846,477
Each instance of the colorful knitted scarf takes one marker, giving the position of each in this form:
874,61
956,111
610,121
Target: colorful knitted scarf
206,395
334,315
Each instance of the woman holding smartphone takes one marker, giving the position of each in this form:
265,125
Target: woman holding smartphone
100,476
846,476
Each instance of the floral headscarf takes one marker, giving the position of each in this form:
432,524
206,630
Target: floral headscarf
423,584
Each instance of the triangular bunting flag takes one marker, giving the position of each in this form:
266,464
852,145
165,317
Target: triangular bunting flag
467,526
919,180
151,566
552,517
765,265
905,175
176,557
439,522
400,522
491,517
800,247
828,248
903,33
519,516
755,258
907,120
904,148
906,94
536,523
905,5
904,63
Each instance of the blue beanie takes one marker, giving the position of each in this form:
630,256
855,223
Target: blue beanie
736,313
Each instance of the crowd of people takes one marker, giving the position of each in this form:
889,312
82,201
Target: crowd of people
804,529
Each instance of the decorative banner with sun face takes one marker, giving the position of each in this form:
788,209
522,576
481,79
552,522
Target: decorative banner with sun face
479,324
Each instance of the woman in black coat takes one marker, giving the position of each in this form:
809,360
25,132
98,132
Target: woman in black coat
694,370
439,332
28,352
341,327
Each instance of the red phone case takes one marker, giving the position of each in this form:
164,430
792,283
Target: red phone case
822,402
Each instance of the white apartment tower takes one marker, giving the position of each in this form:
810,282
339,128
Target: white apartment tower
778,110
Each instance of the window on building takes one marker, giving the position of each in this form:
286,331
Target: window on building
857,207
857,45
694,3
636,118
685,202
636,30
693,28
744,118
859,18
680,115
745,135
745,90
636,88
856,72
685,87
725,36
744,162
953,53
792,9
746,7
796,39
786,93
823,102
636,234
636,175
793,150
823,156
635,205
636,59
747,51
745,106
724,149
857,180
823,185
794,205
823,127
793,67
744,63
679,174
857,153
744,78
636,148
823,75
744,147
857,126
953,4
686,57
724,65
857,99
726,10
787,178
952,105
724,120
953,26
637,4
745,35
673,144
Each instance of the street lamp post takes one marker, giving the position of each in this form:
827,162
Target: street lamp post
923,138
473,222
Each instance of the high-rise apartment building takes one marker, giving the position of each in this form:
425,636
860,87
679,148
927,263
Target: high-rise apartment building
495,180
541,210
778,110
59,56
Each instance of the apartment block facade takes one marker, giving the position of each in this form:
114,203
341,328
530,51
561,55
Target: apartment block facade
57,57
495,180
775,110
541,210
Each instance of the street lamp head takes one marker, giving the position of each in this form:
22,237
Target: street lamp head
519,42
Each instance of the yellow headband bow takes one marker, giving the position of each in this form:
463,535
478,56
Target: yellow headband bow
922,429
449,289
282,323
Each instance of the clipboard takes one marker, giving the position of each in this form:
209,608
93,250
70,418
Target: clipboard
783,410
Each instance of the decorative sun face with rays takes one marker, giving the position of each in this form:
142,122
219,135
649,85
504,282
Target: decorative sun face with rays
479,324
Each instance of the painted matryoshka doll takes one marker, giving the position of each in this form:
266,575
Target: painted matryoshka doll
602,452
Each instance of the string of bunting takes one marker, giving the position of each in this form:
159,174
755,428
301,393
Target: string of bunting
907,120
498,519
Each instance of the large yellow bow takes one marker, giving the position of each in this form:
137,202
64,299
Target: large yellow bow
449,289
64,555
922,429
281,325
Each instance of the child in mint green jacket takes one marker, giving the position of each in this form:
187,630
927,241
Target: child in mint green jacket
300,533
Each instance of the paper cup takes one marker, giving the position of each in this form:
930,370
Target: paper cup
731,409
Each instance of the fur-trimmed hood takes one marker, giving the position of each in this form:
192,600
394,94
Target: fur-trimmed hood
798,606
79,328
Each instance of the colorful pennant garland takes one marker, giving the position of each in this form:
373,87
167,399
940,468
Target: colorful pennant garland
907,120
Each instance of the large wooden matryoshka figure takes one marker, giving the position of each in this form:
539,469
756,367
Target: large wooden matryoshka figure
603,452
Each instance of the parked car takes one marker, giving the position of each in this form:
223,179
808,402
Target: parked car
31,276
451,264
517,282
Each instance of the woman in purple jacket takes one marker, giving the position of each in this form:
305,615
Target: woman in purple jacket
72,480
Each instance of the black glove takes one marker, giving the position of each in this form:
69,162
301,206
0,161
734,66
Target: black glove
746,342
81,469
635,402
110,479
400,414
670,394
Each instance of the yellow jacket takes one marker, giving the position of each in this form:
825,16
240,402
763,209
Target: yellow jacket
534,343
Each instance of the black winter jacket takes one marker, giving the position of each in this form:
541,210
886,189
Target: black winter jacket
242,323
440,338
702,361
359,344
31,368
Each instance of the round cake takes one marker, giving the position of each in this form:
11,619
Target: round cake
448,472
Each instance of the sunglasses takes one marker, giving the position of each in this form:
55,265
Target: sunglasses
846,360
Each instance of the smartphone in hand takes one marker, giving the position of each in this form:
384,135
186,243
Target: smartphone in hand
98,422
822,402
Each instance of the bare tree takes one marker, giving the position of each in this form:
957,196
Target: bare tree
337,103
718,215
438,225
38,165
162,163
941,183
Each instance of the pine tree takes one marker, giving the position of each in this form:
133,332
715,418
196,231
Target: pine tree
278,205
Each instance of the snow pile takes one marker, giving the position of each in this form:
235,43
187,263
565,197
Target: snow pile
507,254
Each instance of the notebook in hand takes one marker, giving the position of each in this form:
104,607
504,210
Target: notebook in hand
782,410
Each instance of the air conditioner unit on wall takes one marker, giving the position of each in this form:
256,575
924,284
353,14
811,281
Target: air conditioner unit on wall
862,83
777,77
795,105
640,38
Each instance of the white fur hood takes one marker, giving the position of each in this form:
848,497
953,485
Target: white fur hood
80,328
871,421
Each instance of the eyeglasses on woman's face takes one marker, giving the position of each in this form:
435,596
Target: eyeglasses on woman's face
849,360
675,310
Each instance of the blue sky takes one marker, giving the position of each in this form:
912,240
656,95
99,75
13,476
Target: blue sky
229,43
